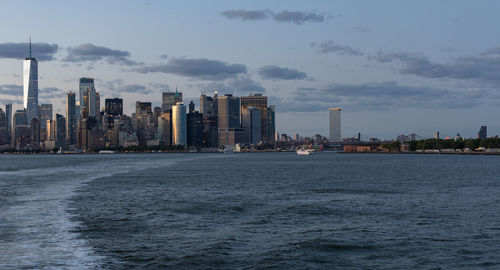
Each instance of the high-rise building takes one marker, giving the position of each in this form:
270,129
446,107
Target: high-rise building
482,134
142,108
114,106
209,109
258,101
179,129
71,118
60,131
436,135
228,120
35,133
20,129
165,128
4,132
271,124
335,125
30,87
194,128
170,99
8,114
45,111
89,98
251,124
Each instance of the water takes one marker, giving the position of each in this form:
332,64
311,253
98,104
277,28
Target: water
249,211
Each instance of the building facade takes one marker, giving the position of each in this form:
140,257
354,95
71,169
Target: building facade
179,129
335,125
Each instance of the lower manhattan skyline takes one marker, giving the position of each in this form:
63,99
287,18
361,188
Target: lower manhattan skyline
414,68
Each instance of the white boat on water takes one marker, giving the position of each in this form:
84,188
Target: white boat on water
228,150
106,152
304,152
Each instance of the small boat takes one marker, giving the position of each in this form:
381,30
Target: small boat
106,152
228,150
304,152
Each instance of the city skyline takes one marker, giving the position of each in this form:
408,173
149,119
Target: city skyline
389,78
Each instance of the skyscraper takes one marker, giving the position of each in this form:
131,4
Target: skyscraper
208,107
45,111
165,128
482,134
194,127
4,133
228,120
169,99
258,101
30,87
179,129
8,114
60,131
335,125
89,102
271,124
436,135
20,129
71,118
114,106
251,123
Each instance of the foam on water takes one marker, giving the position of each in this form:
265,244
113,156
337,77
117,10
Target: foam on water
44,236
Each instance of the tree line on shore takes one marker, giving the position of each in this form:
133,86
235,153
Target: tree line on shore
489,143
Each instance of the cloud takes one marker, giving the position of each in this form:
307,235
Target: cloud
91,52
117,87
241,85
272,72
200,68
247,15
135,88
380,96
332,47
41,51
483,68
163,56
11,90
297,17
51,92
362,29
6,101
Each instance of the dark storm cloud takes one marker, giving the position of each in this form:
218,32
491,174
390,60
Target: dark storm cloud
332,47
91,52
272,72
40,51
297,17
381,96
203,69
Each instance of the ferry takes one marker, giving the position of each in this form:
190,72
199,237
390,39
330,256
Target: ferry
106,152
304,152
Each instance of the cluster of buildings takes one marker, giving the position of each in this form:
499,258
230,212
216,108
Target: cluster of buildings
222,120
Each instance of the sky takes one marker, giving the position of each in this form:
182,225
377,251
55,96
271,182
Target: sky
394,67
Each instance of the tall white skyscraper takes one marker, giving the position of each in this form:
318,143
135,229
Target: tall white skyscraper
335,125
30,87
179,125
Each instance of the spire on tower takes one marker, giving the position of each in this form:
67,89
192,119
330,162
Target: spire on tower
30,46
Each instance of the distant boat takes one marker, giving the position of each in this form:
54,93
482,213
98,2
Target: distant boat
106,152
228,150
304,152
